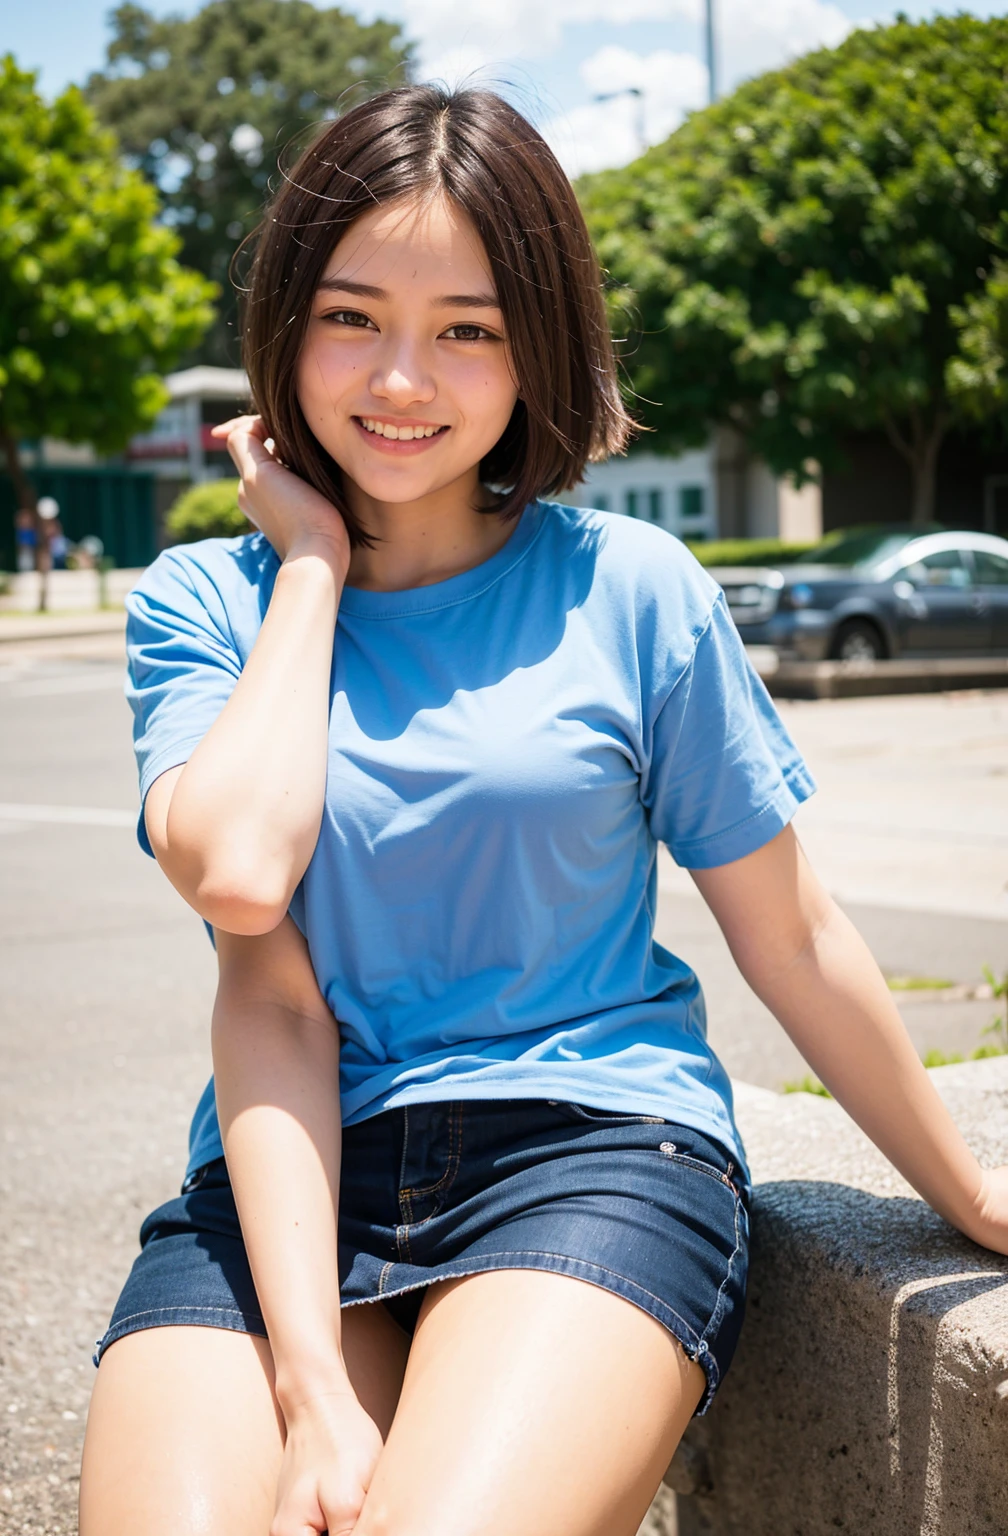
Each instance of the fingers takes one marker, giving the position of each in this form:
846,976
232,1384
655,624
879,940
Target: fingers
248,442
251,423
326,1517
287,1522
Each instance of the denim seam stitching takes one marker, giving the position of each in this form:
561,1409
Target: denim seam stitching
686,1160
448,1177
402,1228
544,1253
614,1117
715,1317
131,1317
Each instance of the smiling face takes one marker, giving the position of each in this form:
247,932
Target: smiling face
404,375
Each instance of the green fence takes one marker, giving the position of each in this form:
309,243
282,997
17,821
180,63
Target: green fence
116,504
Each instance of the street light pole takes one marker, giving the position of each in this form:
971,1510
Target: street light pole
709,42
637,93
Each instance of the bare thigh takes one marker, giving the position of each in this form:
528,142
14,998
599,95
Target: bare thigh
532,1403
184,1436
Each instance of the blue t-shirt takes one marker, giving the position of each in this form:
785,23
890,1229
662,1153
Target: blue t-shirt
506,749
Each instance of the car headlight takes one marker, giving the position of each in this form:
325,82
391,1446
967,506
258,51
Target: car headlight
801,595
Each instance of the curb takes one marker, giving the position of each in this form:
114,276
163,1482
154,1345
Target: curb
849,679
20,627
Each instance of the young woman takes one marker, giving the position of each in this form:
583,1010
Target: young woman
462,1243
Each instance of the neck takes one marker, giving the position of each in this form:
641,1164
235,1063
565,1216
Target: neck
423,541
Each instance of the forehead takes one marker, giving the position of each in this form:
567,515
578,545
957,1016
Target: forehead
414,244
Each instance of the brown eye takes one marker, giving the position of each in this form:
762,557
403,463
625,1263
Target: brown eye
469,332
350,317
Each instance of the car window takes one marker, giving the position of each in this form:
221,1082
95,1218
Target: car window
861,548
946,568
992,570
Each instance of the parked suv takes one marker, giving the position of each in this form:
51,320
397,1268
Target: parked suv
873,593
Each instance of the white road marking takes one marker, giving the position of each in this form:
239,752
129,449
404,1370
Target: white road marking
82,682
72,815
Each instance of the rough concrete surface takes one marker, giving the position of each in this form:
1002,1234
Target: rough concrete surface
870,1389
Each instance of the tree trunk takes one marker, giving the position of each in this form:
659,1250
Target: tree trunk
923,468
921,450
27,501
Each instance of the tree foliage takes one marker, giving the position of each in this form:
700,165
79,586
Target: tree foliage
94,305
205,106
206,511
823,251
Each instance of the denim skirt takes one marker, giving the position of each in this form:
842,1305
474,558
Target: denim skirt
653,1211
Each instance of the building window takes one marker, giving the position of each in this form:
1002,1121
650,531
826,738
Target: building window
655,506
691,502
630,504
599,502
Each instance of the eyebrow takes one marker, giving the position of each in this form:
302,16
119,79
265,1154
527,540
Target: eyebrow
380,295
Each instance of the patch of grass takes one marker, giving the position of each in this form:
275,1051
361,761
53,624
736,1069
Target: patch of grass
997,1028
918,983
808,1084
936,1058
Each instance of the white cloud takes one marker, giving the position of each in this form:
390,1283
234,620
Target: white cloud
753,34
604,133
506,29
755,37
469,39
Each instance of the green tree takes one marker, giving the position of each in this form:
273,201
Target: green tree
978,376
94,306
206,105
821,252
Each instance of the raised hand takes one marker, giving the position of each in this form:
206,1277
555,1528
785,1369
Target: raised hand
329,1458
291,513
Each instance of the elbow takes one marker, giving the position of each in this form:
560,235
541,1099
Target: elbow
231,880
240,902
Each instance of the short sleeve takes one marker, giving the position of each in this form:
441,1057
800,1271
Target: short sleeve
724,776
182,665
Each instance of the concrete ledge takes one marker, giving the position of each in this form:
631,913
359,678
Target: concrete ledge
855,679
870,1390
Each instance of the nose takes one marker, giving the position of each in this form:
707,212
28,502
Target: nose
402,376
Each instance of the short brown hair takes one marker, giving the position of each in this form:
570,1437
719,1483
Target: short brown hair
472,146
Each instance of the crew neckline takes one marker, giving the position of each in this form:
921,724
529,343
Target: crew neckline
364,603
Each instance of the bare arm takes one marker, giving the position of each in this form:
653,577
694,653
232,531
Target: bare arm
807,962
235,827
276,1066
276,1073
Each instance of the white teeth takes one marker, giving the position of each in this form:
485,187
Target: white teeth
402,434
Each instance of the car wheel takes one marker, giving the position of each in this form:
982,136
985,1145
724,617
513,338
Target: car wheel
857,640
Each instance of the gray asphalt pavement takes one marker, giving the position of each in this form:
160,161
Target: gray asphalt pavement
106,982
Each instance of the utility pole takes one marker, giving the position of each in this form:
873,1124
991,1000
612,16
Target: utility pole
637,93
711,60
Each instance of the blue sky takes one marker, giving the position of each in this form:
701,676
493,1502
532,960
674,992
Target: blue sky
555,55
